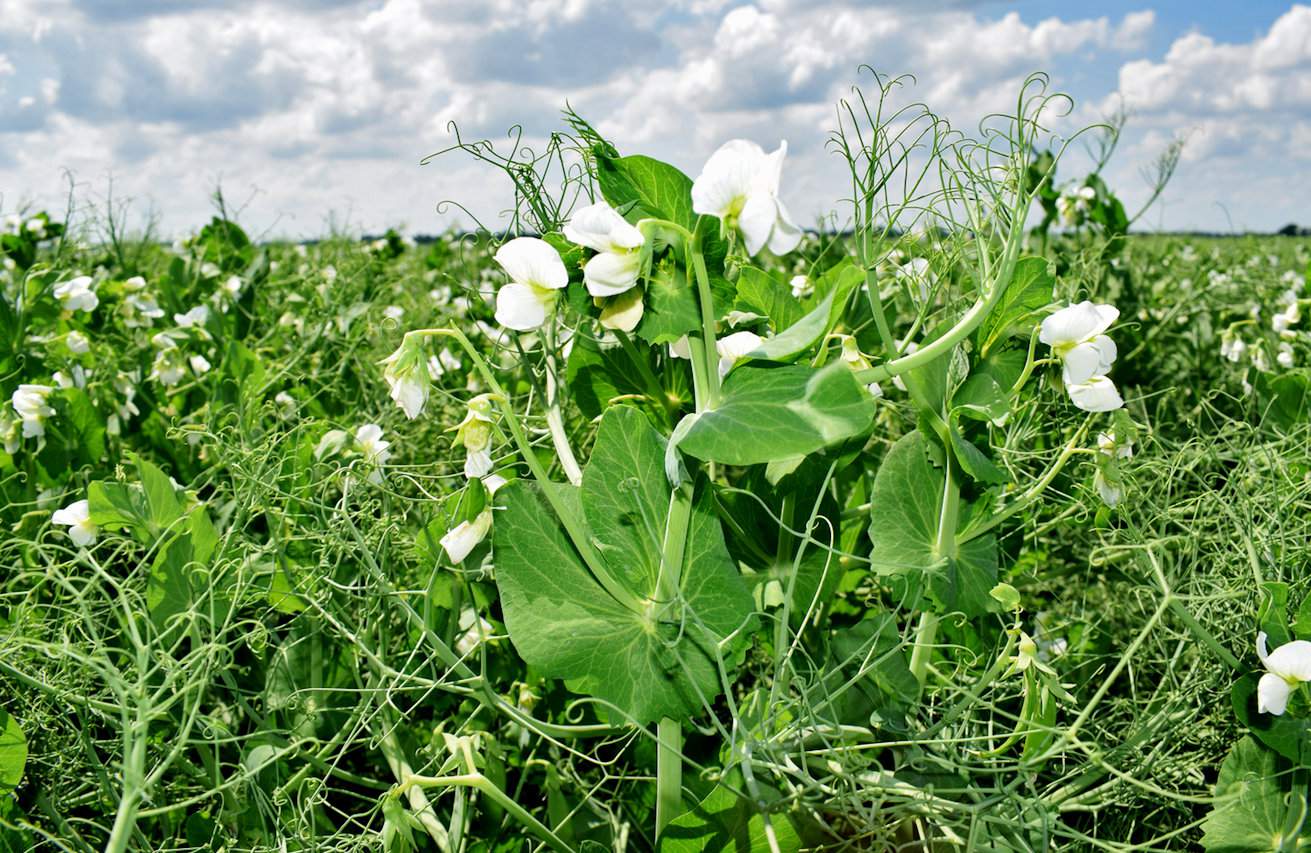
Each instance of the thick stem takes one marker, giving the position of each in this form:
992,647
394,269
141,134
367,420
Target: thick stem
707,301
945,549
669,773
555,422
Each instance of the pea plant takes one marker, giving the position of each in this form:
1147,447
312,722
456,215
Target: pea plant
747,459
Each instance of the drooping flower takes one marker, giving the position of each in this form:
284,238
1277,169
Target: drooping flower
31,404
474,433
461,539
1232,347
77,294
408,378
739,184
1286,667
618,244
1098,394
623,312
1106,480
537,274
77,517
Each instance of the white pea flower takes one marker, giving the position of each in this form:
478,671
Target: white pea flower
393,312
37,228
1232,346
210,270
1283,320
1286,667
77,294
13,223
31,404
10,435
374,449
474,433
1098,394
1073,204
681,348
465,536
739,184
732,348
195,318
537,274
1259,360
77,342
77,517
408,378
615,267
801,286
475,629
1116,449
1285,355
76,380
624,311
1076,335
199,365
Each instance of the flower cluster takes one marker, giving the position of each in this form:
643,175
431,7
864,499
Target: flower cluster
1077,337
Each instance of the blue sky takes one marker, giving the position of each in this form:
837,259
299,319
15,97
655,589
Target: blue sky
311,109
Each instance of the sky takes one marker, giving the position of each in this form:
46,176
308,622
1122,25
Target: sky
316,115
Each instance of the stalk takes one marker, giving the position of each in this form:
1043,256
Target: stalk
669,773
945,549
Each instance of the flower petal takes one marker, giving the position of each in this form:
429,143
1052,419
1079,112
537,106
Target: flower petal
1077,323
623,312
1098,394
787,235
599,226
1272,694
727,178
518,307
610,274
1291,660
466,535
1082,363
757,220
529,260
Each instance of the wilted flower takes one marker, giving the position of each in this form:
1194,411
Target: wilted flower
31,404
739,184
536,275
1286,667
618,262
77,294
77,516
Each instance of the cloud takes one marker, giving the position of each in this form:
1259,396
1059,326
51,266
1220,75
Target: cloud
329,104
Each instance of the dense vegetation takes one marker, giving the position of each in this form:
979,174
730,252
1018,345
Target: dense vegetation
732,538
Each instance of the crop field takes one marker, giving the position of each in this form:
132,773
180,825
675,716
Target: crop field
656,522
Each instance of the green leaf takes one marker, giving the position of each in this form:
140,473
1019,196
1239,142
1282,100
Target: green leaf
1029,289
726,823
974,461
760,293
981,398
905,505
81,423
772,413
597,375
671,306
641,187
13,752
162,505
1253,811
181,574
564,623
282,596
1272,615
810,329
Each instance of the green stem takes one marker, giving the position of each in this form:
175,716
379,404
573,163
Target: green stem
710,353
945,549
489,789
669,773
573,525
